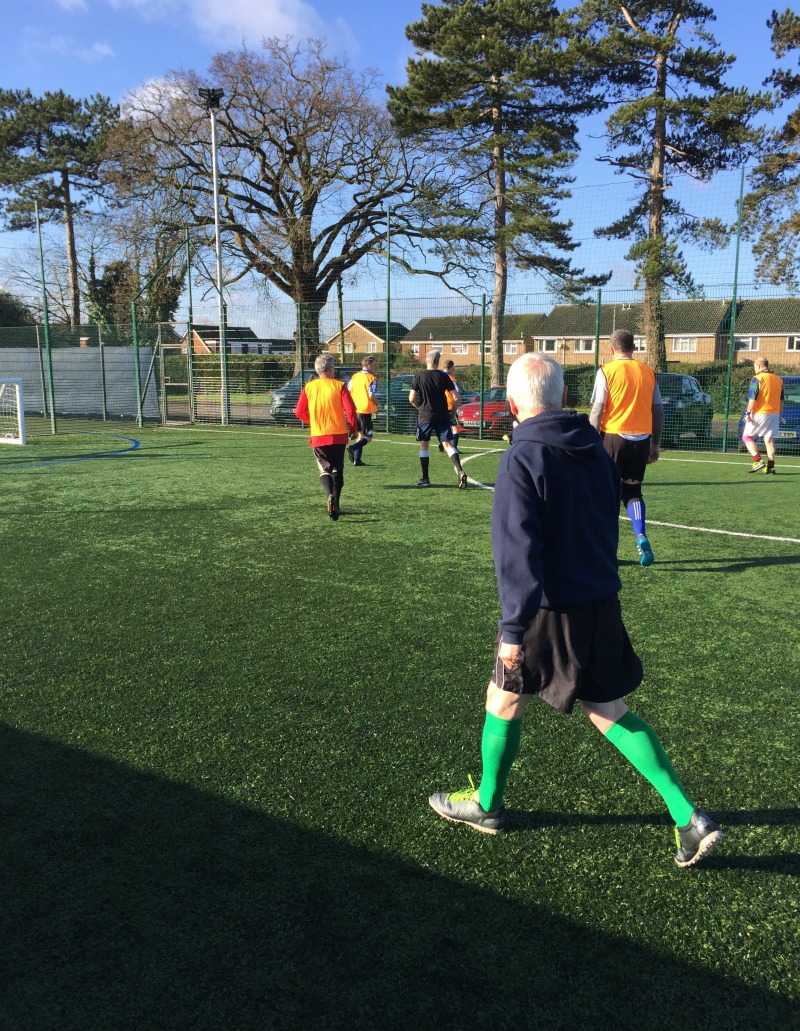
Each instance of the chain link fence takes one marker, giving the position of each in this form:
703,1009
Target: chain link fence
79,378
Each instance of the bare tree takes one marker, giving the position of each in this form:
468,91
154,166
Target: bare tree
308,165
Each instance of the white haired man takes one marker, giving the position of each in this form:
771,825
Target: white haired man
429,395
555,533
326,406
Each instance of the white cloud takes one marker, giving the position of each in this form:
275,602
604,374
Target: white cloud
39,44
152,97
227,22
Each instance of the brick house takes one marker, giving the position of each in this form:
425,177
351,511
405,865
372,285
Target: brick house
365,336
240,339
458,337
766,328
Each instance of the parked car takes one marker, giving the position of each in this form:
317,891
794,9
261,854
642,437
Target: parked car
497,418
285,398
789,431
687,408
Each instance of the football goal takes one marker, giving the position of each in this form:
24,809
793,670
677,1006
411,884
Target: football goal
12,412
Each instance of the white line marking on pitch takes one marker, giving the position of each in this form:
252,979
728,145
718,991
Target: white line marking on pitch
671,526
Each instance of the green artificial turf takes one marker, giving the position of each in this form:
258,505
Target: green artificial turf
222,714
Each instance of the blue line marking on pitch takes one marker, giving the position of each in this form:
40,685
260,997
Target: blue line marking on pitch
80,458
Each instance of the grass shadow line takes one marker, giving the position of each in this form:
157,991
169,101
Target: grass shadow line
135,902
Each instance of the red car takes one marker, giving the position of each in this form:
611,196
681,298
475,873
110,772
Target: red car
497,419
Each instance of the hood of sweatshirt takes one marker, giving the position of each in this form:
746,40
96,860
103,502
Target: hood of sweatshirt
565,430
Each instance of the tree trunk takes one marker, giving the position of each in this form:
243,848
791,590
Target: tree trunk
308,334
500,251
72,254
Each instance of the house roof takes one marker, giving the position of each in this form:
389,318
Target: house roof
207,332
768,315
460,328
680,317
378,328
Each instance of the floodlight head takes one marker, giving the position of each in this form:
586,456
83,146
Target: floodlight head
211,96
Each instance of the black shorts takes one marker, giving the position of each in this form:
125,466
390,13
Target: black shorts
630,456
578,654
365,424
330,458
438,427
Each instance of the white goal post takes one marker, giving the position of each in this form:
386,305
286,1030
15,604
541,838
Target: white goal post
12,412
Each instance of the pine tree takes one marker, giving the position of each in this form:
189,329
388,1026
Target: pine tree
771,209
498,93
51,148
14,311
673,113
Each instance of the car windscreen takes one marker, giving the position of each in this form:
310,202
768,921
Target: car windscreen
670,386
791,392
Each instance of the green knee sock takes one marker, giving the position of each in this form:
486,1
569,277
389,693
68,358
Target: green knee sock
639,744
499,747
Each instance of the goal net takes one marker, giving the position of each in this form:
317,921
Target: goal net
12,413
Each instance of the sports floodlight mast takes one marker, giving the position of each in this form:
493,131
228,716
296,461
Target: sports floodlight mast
211,97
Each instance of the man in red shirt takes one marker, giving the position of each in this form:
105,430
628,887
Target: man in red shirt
326,406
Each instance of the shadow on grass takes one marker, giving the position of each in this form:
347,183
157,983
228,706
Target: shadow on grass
136,903
420,490
720,565
788,863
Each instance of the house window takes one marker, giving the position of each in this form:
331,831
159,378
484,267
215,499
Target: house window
509,348
487,348
548,346
684,345
584,345
793,344
459,349
349,348
414,349
745,343
639,345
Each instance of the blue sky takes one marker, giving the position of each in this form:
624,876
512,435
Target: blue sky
113,46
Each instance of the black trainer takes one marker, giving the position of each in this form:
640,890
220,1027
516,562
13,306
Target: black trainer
462,481
696,839
463,807
359,462
350,453
333,507
423,482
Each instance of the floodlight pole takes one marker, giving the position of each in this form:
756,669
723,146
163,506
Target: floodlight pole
211,98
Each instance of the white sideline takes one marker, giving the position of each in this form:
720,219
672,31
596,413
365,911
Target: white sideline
671,526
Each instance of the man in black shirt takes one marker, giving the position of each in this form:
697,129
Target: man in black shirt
428,394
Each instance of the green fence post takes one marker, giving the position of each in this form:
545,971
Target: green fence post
482,379
101,348
388,312
137,370
734,301
46,327
189,331
597,332
300,340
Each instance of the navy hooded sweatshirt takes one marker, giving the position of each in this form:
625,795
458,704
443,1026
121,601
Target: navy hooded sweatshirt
555,520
